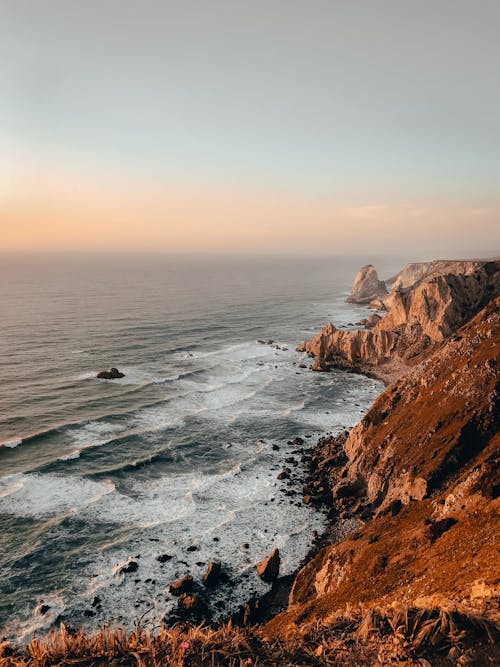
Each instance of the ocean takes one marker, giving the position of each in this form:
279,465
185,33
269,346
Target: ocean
176,459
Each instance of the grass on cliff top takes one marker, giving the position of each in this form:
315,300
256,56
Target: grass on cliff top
366,636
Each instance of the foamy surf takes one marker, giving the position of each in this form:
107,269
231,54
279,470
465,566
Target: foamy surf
11,444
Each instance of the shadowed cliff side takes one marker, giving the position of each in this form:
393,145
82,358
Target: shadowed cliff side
421,473
417,319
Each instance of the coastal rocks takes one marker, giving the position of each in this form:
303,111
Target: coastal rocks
268,568
367,286
416,320
126,568
372,321
189,603
355,488
183,585
111,374
377,304
212,573
163,558
457,377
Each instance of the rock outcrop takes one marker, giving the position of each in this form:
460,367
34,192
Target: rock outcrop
421,469
416,271
111,374
183,585
268,568
417,319
367,286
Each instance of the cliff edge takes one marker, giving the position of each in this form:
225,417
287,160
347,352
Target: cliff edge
418,318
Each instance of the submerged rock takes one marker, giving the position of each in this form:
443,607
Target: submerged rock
111,374
163,558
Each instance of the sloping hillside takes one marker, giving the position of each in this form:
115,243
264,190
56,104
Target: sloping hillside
421,469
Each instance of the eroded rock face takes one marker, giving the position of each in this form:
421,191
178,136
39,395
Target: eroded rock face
367,286
417,319
416,271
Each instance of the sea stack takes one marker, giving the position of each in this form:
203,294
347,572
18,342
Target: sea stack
367,286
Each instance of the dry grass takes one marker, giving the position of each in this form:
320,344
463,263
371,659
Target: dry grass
362,636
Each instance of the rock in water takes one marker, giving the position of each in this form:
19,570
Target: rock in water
183,585
111,374
126,567
268,569
189,603
367,286
211,576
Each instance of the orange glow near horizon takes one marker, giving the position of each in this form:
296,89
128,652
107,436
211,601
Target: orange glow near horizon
65,214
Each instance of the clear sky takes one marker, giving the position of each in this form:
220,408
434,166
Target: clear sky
275,126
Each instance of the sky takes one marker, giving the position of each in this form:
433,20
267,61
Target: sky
250,126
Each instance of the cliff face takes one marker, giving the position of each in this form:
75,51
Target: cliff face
416,271
417,319
367,286
420,470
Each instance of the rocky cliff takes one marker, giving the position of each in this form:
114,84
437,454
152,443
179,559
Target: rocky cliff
367,286
417,318
420,473
416,271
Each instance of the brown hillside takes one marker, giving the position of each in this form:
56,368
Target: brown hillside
423,464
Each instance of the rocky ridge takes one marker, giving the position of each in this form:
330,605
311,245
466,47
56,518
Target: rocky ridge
417,319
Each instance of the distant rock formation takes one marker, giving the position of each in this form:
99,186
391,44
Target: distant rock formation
416,271
418,317
367,286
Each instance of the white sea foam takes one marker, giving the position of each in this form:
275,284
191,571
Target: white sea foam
35,621
45,496
95,433
72,455
11,444
10,484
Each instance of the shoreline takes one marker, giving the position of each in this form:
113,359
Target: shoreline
340,523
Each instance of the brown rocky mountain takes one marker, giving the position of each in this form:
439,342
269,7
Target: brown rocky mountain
417,318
